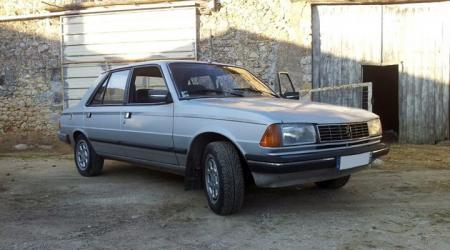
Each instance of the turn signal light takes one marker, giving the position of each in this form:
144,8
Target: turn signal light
271,137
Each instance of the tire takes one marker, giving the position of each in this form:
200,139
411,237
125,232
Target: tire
88,163
222,166
334,183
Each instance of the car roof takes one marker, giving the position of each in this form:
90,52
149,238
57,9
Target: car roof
162,62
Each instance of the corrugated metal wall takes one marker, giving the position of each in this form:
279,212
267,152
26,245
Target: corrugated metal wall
414,36
92,43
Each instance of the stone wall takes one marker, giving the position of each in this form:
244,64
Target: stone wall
30,80
25,7
265,36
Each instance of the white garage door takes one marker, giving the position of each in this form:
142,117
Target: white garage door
92,43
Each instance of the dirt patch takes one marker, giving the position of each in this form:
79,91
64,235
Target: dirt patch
401,205
440,184
405,156
35,143
2,188
442,217
37,154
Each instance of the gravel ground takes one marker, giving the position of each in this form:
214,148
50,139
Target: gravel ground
45,203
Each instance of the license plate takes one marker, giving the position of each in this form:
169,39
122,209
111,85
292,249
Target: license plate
353,161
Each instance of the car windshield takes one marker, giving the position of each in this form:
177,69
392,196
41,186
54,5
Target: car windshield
199,80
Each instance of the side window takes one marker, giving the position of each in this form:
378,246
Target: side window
98,98
148,86
115,90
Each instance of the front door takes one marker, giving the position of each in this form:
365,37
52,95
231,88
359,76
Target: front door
148,120
103,115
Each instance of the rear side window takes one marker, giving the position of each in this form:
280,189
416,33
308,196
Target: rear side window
99,94
98,97
115,90
112,90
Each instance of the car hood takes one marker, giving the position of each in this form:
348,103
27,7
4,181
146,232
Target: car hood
272,110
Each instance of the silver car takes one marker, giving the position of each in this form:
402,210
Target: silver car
220,127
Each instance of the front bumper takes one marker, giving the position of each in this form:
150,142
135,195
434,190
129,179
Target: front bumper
288,170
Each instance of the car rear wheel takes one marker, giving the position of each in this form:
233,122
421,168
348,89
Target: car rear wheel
88,163
223,178
334,183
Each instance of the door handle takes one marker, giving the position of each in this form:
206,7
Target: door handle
127,115
88,115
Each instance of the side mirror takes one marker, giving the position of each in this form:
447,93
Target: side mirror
286,87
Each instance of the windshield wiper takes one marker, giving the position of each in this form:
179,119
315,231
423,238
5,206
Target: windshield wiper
255,90
216,91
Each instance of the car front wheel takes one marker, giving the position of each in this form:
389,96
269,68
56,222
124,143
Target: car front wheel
87,161
223,178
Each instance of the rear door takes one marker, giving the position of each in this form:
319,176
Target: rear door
103,114
148,118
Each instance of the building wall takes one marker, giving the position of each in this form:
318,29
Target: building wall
418,40
264,35
415,37
30,86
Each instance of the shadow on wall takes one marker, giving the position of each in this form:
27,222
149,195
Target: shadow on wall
423,101
31,91
262,55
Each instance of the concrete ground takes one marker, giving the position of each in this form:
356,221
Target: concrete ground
46,204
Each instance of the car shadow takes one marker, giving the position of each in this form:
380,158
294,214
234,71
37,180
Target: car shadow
129,171
305,198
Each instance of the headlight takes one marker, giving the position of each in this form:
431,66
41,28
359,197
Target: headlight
293,134
290,134
374,127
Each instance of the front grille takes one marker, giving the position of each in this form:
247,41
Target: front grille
340,132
